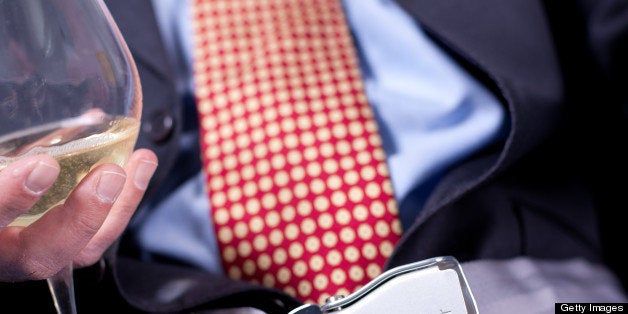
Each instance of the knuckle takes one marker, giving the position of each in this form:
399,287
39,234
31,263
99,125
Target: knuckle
85,226
36,269
15,204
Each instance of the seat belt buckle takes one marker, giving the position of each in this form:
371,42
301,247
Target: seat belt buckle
436,285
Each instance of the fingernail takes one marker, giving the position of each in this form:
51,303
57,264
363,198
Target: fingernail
143,173
41,177
109,186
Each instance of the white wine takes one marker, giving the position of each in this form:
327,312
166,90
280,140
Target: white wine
78,144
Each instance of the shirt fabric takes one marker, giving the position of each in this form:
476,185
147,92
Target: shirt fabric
430,112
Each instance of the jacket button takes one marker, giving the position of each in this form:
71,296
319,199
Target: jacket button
159,125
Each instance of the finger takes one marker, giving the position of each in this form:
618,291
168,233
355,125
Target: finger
56,238
23,183
139,169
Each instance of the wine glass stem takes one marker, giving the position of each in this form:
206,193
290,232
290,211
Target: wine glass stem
62,289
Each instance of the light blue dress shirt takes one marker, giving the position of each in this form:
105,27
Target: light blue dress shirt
430,111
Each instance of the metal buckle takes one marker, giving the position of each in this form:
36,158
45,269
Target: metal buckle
399,282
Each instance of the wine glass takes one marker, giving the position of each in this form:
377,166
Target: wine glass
69,89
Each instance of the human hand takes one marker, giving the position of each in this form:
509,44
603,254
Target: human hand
78,231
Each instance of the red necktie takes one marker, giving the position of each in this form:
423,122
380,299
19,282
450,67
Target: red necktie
296,175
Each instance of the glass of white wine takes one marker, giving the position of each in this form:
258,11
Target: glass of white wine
69,89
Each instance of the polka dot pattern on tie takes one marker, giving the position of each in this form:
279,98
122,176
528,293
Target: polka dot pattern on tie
296,175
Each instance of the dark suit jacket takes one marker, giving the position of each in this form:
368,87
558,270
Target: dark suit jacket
545,192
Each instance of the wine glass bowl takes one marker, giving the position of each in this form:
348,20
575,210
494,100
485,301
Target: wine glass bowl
69,89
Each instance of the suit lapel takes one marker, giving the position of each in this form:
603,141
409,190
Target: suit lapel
510,40
136,20
509,44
